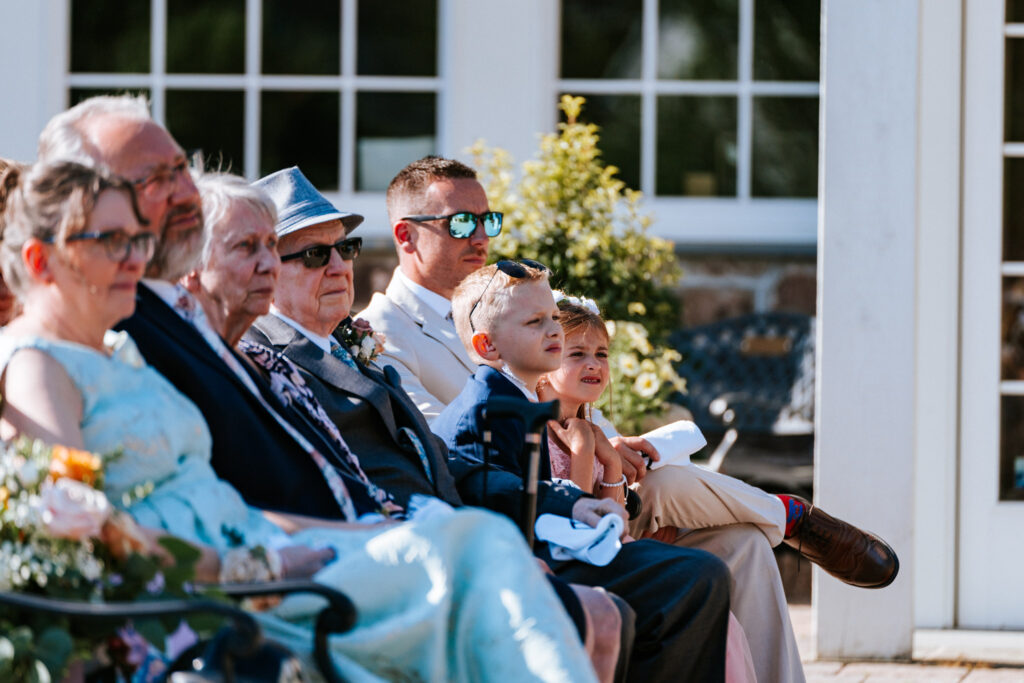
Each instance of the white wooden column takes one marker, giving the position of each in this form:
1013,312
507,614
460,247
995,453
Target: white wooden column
33,54
864,467
500,60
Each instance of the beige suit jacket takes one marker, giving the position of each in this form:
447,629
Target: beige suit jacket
421,345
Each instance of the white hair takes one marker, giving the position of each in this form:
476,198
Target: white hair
220,193
64,137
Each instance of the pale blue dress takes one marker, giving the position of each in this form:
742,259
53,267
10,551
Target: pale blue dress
451,598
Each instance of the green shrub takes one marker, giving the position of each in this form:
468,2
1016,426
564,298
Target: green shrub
570,211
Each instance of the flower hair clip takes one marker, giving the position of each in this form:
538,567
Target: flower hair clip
583,302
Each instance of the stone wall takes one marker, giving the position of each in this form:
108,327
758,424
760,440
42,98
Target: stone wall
717,286
713,286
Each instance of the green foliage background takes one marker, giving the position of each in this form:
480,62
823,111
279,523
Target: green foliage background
570,211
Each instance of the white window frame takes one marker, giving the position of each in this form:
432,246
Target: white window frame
706,221
252,82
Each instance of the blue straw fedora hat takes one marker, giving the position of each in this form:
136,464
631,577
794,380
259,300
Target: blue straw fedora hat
299,204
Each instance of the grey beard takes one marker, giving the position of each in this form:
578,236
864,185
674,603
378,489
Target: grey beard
171,262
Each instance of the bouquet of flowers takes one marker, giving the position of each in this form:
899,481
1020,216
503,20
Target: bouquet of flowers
61,537
361,341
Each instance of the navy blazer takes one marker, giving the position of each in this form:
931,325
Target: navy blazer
251,450
461,428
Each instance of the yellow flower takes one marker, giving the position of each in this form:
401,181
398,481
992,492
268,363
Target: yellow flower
629,365
647,365
636,308
646,384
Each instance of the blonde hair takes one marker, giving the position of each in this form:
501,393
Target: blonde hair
492,288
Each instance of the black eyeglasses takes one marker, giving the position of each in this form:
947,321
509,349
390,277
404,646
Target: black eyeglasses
318,255
512,269
160,184
118,244
462,224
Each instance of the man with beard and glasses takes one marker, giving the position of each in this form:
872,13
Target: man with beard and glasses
245,419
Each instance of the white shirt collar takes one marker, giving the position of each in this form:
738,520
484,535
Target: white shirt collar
167,291
323,342
520,384
434,301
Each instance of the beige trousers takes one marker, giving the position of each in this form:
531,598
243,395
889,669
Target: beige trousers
691,497
739,524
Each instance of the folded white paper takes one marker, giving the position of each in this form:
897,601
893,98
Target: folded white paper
675,442
572,540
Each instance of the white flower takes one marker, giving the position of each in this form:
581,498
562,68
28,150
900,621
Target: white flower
368,346
28,474
629,365
73,510
646,384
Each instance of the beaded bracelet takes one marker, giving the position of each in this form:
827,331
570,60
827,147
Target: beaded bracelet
615,485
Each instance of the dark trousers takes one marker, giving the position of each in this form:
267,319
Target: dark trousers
681,600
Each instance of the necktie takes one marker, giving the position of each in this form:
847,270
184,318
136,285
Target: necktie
343,354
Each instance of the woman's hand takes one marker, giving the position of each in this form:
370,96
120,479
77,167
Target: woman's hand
302,562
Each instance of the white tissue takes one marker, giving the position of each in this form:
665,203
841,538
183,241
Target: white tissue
675,442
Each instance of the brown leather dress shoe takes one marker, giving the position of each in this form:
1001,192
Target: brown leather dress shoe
853,556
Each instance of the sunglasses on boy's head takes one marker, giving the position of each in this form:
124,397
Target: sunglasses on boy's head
463,224
318,255
514,269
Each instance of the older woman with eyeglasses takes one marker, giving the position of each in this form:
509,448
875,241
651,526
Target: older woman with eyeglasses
443,598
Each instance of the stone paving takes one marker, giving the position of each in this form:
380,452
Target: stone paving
892,672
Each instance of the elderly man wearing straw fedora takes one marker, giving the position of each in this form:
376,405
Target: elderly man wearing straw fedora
314,295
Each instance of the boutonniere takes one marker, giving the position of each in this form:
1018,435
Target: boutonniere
361,341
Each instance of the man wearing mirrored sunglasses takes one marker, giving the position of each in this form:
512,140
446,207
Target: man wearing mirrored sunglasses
441,224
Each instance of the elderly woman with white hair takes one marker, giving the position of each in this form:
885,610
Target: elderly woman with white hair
450,597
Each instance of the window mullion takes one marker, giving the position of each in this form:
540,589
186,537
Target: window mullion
648,97
253,67
158,58
347,137
744,101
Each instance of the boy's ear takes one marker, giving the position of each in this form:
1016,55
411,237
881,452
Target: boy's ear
483,346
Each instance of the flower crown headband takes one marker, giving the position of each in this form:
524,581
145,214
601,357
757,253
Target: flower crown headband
583,302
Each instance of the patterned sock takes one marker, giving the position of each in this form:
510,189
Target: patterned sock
795,511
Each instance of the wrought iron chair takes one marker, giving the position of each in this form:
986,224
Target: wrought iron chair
750,388
233,646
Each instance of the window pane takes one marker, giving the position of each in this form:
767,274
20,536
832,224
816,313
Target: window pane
601,39
109,36
785,147
301,129
618,117
1012,353
698,39
787,36
1011,469
387,143
76,95
1015,10
1013,210
206,37
302,38
211,121
402,43
696,146
1014,88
